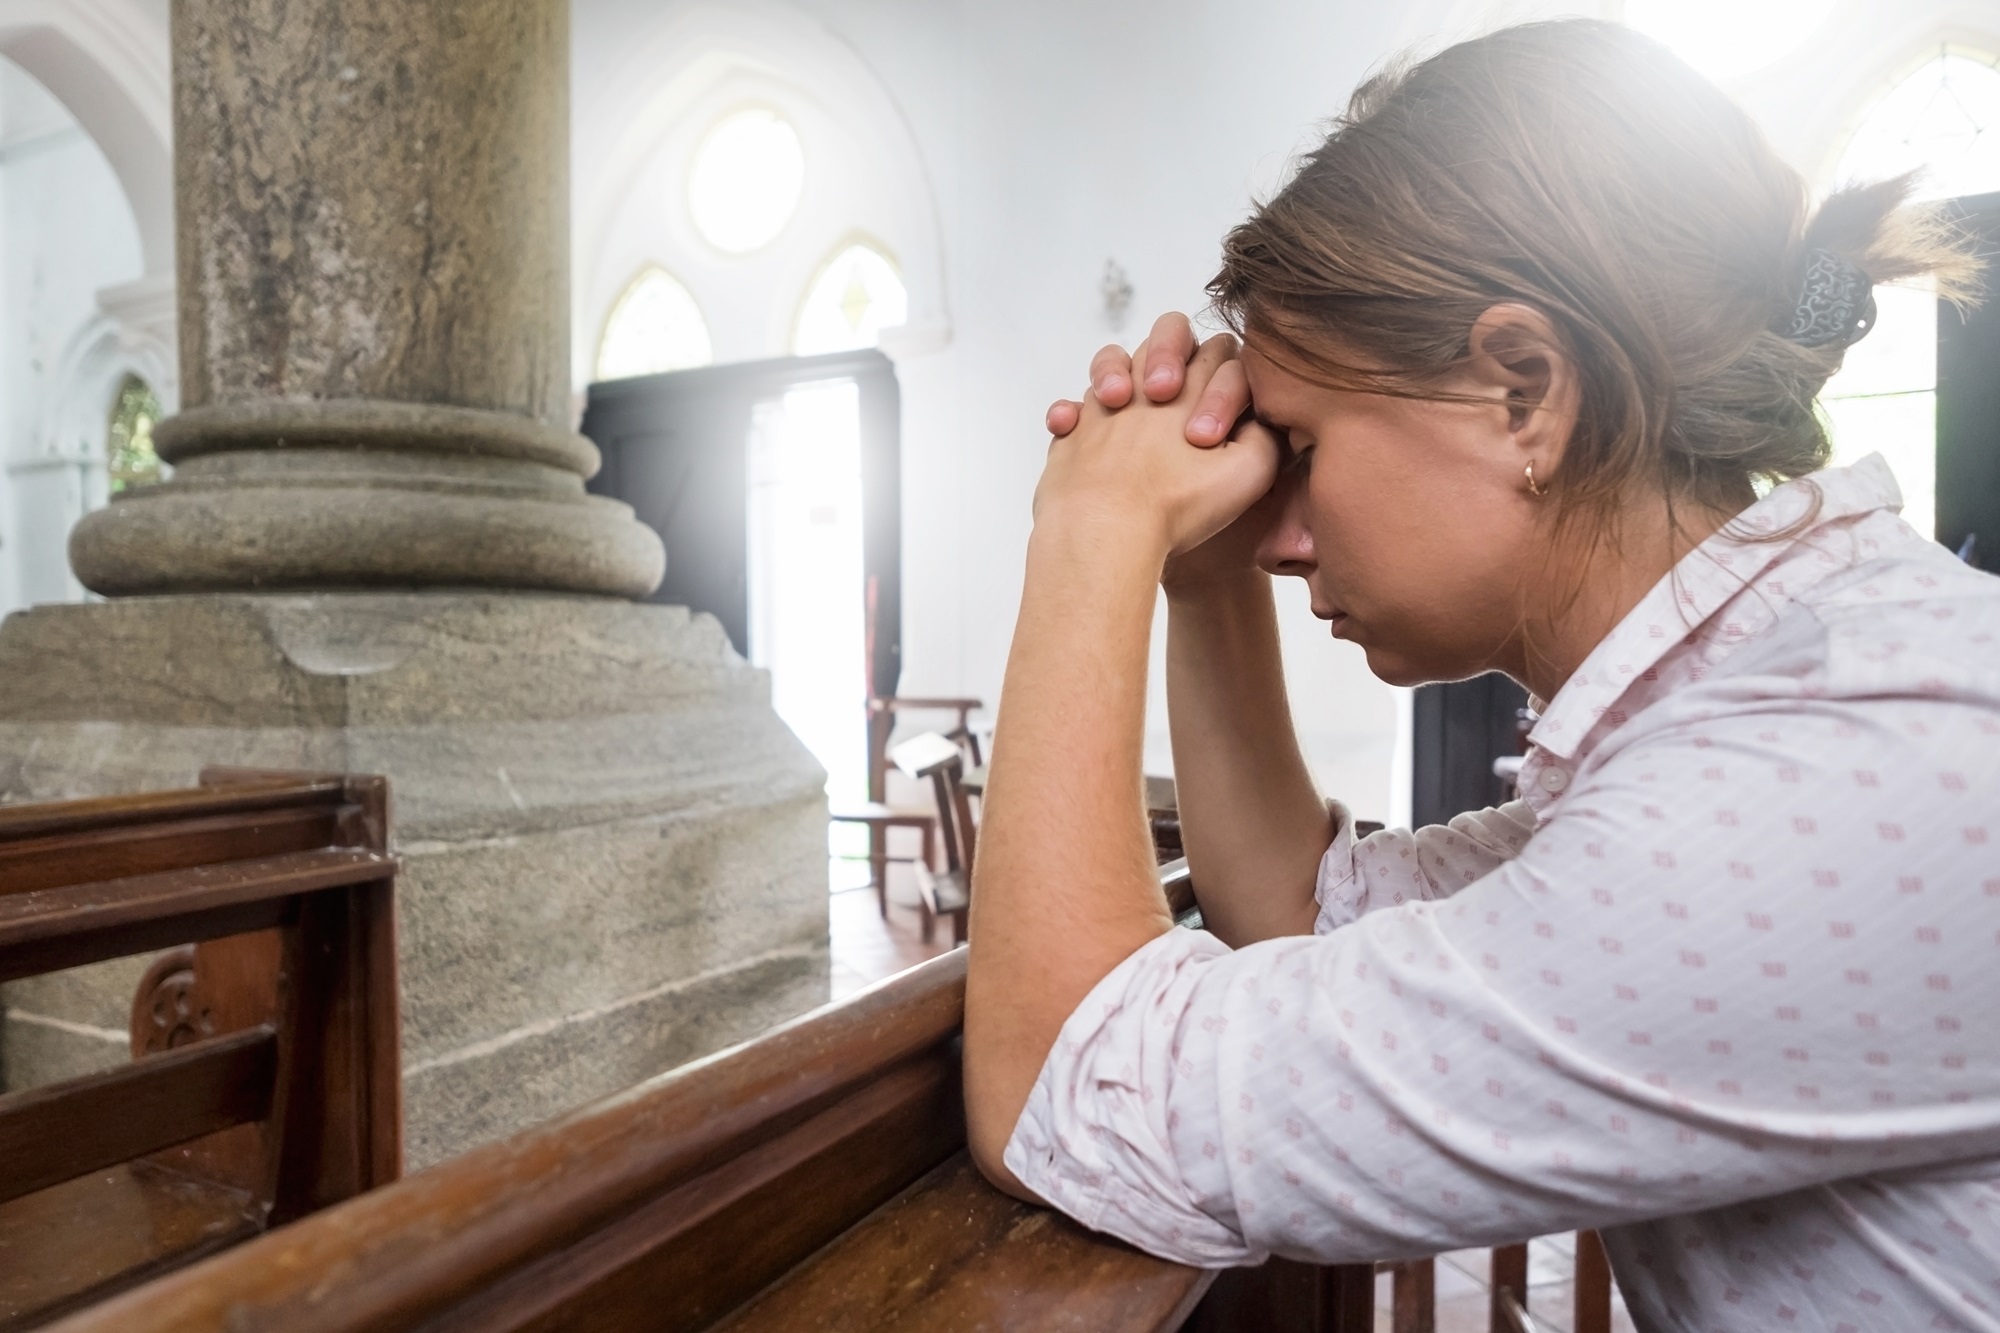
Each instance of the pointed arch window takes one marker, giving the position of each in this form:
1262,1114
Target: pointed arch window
1944,121
655,326
857,294
129,455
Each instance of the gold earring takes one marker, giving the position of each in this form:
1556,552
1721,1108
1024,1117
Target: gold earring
1533,489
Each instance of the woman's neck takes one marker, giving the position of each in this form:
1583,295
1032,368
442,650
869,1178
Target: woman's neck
1588,591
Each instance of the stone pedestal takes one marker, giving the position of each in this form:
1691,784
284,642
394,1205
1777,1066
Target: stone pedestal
614,853
376,555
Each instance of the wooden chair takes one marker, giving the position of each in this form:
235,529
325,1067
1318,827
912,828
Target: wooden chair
876,813
265,1082
1288,1297
943,890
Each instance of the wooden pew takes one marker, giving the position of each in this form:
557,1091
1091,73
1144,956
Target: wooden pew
814,1177
265,1081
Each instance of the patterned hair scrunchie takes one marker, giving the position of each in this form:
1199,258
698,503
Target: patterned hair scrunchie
1836,303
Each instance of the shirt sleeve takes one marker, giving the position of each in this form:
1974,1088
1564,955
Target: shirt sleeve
1396,866
1666,1002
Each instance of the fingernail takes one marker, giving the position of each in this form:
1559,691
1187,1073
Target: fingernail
1114,384
1160,378
1204,425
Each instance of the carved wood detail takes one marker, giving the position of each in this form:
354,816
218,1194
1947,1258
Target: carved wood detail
166,1011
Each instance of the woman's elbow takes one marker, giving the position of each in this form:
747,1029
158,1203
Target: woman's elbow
989,1152
993,1106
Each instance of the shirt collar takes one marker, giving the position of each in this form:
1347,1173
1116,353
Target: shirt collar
1704,580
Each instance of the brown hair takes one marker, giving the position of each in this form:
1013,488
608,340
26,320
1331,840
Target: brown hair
1578,167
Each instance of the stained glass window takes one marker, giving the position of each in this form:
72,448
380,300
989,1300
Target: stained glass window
746,180
655,326
129,444
856,296
1945,121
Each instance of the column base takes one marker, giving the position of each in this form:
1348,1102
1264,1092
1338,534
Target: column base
169,540
614,852
326,504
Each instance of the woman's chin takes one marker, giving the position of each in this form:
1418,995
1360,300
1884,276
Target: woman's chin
1392,668
1403,669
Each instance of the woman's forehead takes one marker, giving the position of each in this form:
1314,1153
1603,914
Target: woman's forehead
1275,389
1268,377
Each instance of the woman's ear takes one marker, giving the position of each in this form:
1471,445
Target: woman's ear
1515,354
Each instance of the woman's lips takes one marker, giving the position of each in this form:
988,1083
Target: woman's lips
1337,622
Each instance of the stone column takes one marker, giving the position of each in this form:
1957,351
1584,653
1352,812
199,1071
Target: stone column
376,555
373,251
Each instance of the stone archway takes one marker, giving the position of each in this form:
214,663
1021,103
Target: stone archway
108,63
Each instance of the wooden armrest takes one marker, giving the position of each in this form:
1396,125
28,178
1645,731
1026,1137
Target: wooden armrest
900,702
49,929
874,812
272,791
953,1252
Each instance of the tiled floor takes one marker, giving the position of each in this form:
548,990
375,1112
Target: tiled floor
867,948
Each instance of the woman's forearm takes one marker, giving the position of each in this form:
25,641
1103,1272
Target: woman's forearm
1252,820
1064,888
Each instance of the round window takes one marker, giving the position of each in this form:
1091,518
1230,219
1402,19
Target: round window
746,180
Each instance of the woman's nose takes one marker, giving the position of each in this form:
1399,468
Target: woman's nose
1287,548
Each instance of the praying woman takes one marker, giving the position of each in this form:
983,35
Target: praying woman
1521,379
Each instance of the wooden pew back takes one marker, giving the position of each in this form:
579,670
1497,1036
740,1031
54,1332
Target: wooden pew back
266,1083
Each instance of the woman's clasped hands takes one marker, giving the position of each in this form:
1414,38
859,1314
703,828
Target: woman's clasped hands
1175,462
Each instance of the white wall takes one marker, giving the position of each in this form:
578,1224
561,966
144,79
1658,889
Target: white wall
66,232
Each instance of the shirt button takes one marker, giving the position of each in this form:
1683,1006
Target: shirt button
1554,779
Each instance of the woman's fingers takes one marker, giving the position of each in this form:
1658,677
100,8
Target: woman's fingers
1111,376
1208,358
1221,404
1167,350
1063,416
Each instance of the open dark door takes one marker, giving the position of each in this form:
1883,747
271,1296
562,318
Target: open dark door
1456,732
677,449
1968,404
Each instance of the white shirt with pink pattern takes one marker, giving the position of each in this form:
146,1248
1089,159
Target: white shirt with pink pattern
1726,983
